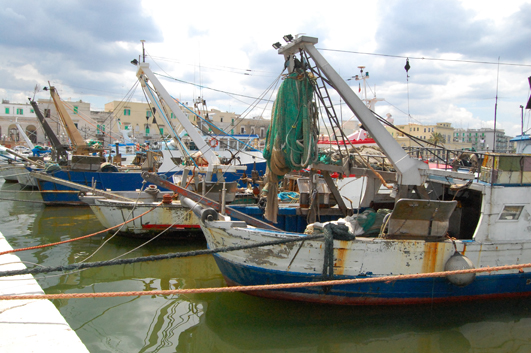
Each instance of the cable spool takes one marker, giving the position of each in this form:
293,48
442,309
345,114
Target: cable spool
460,262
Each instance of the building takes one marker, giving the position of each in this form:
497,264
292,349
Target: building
483,139
78,111
144,123
139,119
23,113
442,133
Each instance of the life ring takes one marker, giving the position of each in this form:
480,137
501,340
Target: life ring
213,142
137,147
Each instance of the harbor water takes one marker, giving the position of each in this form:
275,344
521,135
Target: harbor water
226,322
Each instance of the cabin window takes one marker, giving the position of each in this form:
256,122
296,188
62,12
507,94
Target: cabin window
511,213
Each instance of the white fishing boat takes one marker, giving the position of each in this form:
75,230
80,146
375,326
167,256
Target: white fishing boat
192,153
431,221
158,212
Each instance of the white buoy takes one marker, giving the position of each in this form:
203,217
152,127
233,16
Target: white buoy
460,262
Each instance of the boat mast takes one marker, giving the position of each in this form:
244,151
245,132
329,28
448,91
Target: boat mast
81,147
409,169
144,74
60,152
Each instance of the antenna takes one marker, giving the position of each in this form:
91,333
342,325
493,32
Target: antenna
496,106
143,51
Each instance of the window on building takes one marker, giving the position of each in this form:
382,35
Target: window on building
252,131
242,130
172,116
32,111
221,119
148,113
161,129
20,111
425,130
127,111
146,127
262,132
232,123
47,113
75,109
7,110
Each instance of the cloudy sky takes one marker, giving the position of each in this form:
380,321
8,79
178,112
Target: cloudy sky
463,53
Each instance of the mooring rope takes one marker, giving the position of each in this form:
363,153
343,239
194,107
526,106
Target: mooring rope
263,287
79,238
78,266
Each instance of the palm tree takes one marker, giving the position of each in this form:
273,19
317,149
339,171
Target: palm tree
437,138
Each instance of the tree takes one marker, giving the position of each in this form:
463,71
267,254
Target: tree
437,138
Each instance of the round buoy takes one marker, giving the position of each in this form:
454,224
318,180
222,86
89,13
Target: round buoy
50,168
108,168
460,262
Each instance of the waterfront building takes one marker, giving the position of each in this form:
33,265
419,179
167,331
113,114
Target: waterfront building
23,113
483,139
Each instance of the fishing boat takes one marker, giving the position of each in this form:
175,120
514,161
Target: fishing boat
94,171
218,182
430,221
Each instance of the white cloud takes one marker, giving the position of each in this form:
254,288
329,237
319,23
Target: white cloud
211,45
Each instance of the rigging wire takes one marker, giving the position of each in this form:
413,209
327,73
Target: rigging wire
426,58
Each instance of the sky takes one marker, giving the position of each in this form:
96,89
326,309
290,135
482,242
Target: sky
470,59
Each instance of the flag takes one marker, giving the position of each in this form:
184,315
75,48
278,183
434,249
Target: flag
528,106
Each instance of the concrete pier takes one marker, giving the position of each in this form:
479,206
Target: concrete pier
30,325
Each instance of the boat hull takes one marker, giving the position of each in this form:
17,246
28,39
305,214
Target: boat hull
400,292
60,195
175,220
365,258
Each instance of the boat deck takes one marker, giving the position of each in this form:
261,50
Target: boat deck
30,325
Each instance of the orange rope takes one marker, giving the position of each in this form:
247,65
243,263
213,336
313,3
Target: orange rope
263,287
83,237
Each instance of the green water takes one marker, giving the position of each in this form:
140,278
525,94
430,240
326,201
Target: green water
229,322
